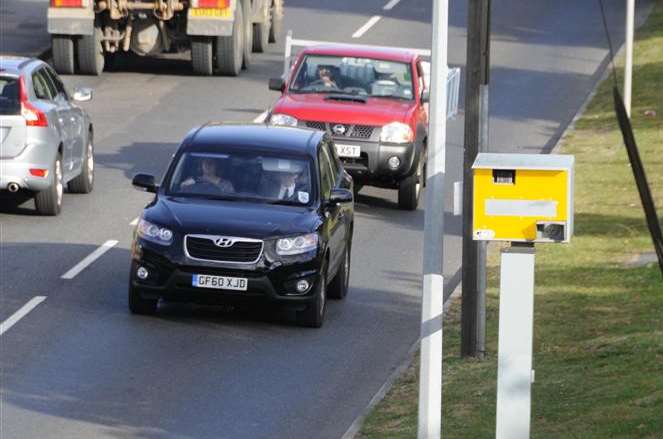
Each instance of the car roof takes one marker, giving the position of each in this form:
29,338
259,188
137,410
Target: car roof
288,140
383,53
14,64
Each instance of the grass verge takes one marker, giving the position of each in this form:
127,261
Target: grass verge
598,351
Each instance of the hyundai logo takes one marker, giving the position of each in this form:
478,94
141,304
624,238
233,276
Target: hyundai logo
223,242
339,129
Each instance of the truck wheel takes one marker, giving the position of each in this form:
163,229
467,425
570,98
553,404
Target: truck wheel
91,53
63,54
202,51
276,18
230,50
248,36
261,36
84,183
338,288
410,189
49,201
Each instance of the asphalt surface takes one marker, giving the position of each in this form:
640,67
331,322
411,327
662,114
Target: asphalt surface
79,365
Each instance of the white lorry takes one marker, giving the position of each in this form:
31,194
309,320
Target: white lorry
221,34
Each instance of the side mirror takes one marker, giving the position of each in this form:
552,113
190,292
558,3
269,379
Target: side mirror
145,182
425,96
277,84
339,196
82,94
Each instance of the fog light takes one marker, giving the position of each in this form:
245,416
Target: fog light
394,162
302,286
142,273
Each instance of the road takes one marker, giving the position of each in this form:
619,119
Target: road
78,365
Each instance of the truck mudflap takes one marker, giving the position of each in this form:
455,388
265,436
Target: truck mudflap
213,22
70,21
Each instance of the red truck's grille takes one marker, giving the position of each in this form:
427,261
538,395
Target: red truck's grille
353,131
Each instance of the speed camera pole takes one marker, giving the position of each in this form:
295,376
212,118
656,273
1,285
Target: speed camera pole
628,63
430,372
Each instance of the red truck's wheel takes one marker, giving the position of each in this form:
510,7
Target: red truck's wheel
230,50
202,56
63,54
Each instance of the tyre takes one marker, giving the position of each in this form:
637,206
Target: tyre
314,314
63,54
49,201
248,37
230,50
91,53
338,288
202,56
276,18
84,183
409,189
138,305
261,36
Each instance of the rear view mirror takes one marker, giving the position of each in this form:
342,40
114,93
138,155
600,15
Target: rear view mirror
339,196
82,94
145,182
277,84
425,96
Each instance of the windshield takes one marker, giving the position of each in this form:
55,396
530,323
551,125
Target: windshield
10,104
243,176
354,76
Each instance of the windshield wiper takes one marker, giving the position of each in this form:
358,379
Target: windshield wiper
283,202
347,97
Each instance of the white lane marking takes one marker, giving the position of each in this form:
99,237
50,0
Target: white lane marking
18,315
261,118
134,222
89,259
389,6
369,24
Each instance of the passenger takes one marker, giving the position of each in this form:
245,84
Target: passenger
209,175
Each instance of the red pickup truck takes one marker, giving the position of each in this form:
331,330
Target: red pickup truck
371,101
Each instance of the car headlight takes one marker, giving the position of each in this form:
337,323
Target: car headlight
396,132
152,232
283,119
297,244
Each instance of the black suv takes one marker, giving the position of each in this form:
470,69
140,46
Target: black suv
246,212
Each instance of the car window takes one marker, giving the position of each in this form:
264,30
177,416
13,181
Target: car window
56,81
243,176
326,175
356,76
10,103
43,89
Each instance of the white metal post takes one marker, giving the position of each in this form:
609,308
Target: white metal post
628,65
430,372
514,362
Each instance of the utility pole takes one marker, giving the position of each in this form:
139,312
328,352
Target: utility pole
430,371
628,65
473,308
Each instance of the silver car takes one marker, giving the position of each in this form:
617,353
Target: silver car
45,138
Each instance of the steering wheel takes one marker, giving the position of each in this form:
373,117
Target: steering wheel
322,83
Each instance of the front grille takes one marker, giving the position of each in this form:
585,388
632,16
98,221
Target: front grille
242,251
351,131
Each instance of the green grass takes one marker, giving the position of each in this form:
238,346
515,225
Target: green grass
598,350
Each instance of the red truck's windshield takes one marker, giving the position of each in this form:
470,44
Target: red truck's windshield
357,76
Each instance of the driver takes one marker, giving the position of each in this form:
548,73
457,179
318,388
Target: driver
209,175
325,76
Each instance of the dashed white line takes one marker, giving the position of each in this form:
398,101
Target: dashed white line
18,315
261,118
389,6
369,24
89,259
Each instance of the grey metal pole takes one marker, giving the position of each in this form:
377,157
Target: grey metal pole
628,63
430,371
482,255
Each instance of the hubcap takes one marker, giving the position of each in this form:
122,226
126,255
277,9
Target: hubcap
347,268
58,181
419,176
90,164
323,295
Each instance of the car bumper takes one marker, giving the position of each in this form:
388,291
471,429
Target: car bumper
372,167
17,169
272,282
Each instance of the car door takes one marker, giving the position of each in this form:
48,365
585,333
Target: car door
333,213
73,121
